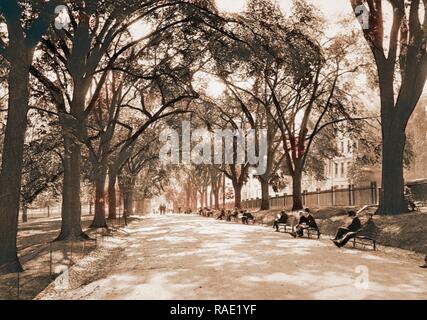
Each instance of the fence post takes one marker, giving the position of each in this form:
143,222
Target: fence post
303,198
333,195
349,195
374,199
318,196
378,195
18,293
284,200
71,252
50,258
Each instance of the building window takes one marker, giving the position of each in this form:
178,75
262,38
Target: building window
336,169
342,146
342,169
349,147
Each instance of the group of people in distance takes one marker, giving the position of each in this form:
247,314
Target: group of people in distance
228,215
205,212
162,209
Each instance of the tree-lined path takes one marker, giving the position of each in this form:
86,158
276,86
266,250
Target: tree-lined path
189,257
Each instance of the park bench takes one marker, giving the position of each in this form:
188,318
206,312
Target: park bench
250,220
234,217
366,239
287,228
312,231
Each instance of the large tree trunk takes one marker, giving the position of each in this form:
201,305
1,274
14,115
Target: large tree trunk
296,191
72,127
127,186
194,205
128,202
112,202
141,207
24,214
11,169
71,228
187,197
99,218
392,199
265,197
223,190
216,199
237,195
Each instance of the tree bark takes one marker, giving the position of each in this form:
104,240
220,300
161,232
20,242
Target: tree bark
127,187
237,195
216,199
392,199
24,214
12,156
296,191
265,197
71,206
73,127
112,201
100,177
128,202
194,206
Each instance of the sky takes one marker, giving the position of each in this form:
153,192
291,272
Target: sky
328,7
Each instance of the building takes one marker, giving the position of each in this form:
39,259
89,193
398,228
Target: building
337,170
337,174
417,133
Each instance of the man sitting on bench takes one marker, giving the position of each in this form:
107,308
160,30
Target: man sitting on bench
246,217
235,214
221,214
368,228
281,219
353,226
306,221
228,215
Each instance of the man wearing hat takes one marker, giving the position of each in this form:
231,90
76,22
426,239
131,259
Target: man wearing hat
353,226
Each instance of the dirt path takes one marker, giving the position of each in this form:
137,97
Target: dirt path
188,257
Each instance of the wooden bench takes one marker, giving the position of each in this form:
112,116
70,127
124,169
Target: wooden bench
312,231
233,218
366,239
250,220
287,228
